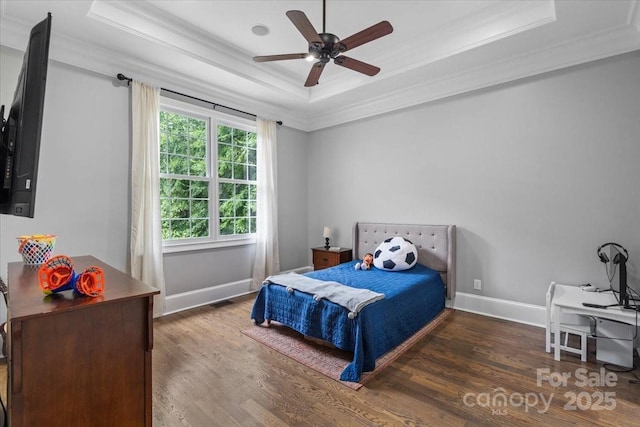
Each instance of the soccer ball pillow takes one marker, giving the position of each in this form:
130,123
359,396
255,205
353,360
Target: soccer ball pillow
395,254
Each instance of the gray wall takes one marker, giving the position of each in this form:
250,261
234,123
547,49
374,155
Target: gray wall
82,193
83,184
536,174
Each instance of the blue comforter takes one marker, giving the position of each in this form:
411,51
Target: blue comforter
412,298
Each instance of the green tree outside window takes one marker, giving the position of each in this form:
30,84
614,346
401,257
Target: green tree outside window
187,188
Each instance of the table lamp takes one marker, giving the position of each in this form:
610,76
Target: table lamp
327,236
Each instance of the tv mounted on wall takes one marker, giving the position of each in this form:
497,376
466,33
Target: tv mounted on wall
20,139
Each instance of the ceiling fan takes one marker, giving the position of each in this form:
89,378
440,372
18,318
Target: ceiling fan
326,46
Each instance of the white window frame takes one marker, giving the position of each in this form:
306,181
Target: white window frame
213,118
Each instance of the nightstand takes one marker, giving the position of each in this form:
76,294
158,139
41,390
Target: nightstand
324,258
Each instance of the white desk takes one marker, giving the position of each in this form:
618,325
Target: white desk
569,299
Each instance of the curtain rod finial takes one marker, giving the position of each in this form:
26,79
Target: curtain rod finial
121,76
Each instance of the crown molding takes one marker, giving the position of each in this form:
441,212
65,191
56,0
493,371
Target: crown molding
496,22
452,78
562,55
77,53
172,33
634,15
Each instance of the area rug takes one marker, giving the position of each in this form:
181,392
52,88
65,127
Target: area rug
328,360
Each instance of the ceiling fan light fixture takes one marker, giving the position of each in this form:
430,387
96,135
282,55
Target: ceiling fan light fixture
260,30
310,58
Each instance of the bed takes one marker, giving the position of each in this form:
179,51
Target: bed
411,298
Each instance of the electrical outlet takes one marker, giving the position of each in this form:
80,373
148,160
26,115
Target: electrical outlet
477,284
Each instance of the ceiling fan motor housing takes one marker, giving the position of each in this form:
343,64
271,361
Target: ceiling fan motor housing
330,48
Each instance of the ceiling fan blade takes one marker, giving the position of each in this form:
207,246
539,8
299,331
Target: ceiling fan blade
314,74
305,27
355,65
268,58
368,34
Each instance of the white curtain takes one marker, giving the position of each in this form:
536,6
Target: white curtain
146,232
267,254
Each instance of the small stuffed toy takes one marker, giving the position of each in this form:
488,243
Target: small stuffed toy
367,262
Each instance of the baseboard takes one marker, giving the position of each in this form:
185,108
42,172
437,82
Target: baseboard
493,307
502,309
199,297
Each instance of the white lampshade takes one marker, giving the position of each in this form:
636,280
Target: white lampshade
327,233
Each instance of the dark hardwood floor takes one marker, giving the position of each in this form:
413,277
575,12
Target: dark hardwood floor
471,370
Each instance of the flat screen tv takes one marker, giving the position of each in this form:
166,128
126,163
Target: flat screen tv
20,143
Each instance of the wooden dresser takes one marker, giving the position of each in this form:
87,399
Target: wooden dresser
75,360
325,258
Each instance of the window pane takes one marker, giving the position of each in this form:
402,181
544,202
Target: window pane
198,147
179,208
180,188
242,191
242,225
198,167
225,170
164,143
225,134
178,165
226,190
200,228
163,121
225,152
241,208
226,226
240,154
226,208
165,206
199,209
180,124
185,151
166,229
197,128
180,229
239,171
239,137
176,144
200,189
164,163
165,187
252,139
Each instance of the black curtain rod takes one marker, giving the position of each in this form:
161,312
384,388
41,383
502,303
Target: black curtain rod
121,76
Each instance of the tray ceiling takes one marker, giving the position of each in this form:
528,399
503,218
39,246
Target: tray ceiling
437,48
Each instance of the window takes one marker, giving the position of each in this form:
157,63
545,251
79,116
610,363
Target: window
208,177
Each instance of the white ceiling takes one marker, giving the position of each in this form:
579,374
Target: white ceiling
437,48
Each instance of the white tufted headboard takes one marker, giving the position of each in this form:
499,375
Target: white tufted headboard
436,245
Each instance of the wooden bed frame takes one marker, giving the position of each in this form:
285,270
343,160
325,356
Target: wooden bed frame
436,245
